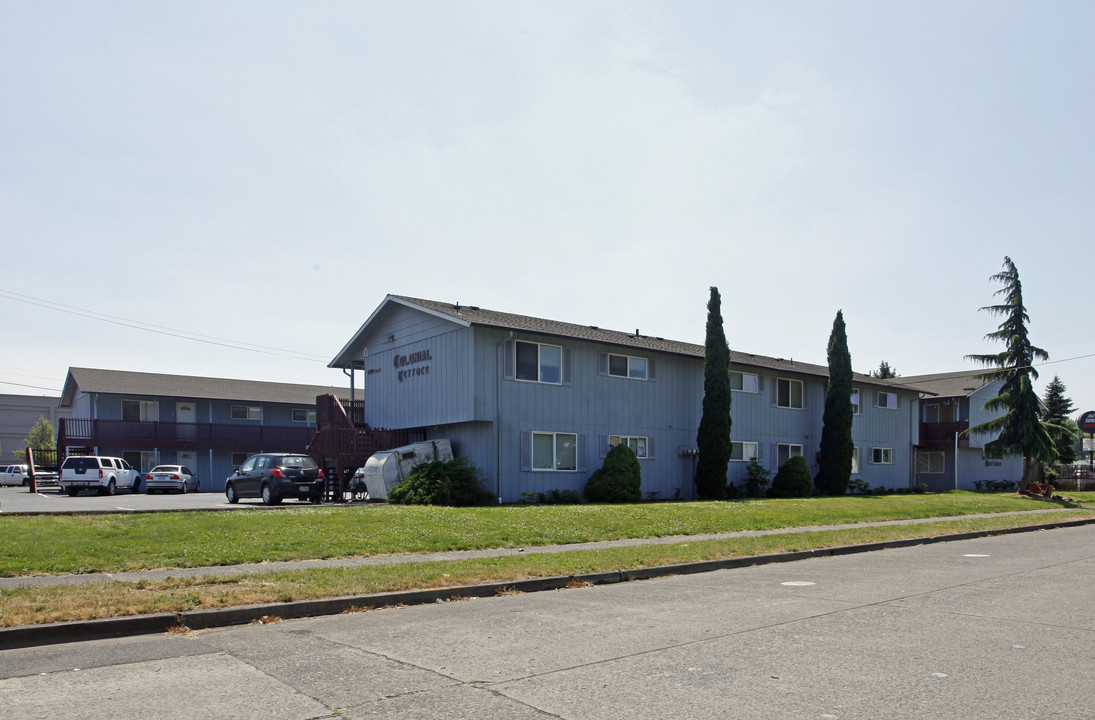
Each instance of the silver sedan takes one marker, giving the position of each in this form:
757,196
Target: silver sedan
170,477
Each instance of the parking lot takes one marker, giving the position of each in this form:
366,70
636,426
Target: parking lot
48,499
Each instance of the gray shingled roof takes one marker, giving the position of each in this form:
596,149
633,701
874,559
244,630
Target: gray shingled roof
122,382
472,315
951,384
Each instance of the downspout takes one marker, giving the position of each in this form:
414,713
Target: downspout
956,433
499,372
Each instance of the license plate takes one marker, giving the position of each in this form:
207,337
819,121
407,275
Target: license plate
305,489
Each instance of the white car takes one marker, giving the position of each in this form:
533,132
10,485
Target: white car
20,475
104,474
170,477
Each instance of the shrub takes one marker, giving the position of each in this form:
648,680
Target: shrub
562,497
757,478
617,480
859,487
456,483
793,480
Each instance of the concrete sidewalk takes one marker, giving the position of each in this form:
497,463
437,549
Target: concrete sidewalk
252,568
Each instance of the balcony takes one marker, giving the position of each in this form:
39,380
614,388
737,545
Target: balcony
148,435
940,436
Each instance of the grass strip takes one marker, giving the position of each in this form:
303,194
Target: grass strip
53,544
29,605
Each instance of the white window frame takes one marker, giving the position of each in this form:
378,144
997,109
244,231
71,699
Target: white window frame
881,456
635,442
555,436
309,415
855,460
748,387
147,410
251,412
745,450
885,404
855,401
539,362
924,464
790,394
791,452
637,368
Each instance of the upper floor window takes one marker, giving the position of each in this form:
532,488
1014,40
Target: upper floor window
304,416
743,451
887,400
539,363
855,401
882,456
744,382
246,412
140,410
627,366
638,445
554,451
789,393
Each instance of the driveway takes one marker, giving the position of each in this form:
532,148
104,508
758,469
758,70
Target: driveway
48,499
986,628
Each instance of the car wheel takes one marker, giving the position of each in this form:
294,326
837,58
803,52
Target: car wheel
26,482
111,488
268,497
136,486
230,493
184,488
72,492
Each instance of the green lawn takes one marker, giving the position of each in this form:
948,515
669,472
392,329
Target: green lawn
75,543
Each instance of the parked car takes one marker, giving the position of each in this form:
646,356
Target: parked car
20,475
274,477
170,477
97,472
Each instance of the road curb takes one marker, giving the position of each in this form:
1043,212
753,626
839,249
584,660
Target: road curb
82,630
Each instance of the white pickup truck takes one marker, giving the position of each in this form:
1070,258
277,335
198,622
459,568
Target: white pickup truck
20,475
95,472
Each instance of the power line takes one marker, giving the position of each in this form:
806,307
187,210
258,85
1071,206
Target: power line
162,330
36,387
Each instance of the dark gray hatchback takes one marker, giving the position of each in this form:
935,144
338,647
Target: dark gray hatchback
275,477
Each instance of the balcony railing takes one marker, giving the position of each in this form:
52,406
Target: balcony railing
148,435
941,435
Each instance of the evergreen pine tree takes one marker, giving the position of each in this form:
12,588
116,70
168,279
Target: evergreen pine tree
835,453
1020,426
713,436
1058,409
884,371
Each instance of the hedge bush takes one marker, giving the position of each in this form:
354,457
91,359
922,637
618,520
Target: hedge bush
793,480
617,480
456,483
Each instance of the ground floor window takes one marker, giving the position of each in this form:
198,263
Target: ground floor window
239,457
743,451
855,460
638,445
932,463
882,456
554,451
786,451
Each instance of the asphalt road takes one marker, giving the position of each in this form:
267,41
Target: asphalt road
999,627
48,499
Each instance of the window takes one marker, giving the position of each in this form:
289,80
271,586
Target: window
539,363
246,412
308,416
140,411
626,366
638,445
887,400
931,413
744,382
238,458
855,401
743,451
554,451
789,393
786,451
882,456
932,463
855,460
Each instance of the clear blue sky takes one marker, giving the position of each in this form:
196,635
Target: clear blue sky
265,172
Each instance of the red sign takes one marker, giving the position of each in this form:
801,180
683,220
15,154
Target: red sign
1087,421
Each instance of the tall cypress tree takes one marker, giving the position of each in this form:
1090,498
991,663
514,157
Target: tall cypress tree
713,436
1020,426
835,453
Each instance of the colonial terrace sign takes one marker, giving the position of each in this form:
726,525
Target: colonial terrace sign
1087,421
414,364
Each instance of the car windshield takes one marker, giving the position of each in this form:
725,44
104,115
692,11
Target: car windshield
165,468
298,461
